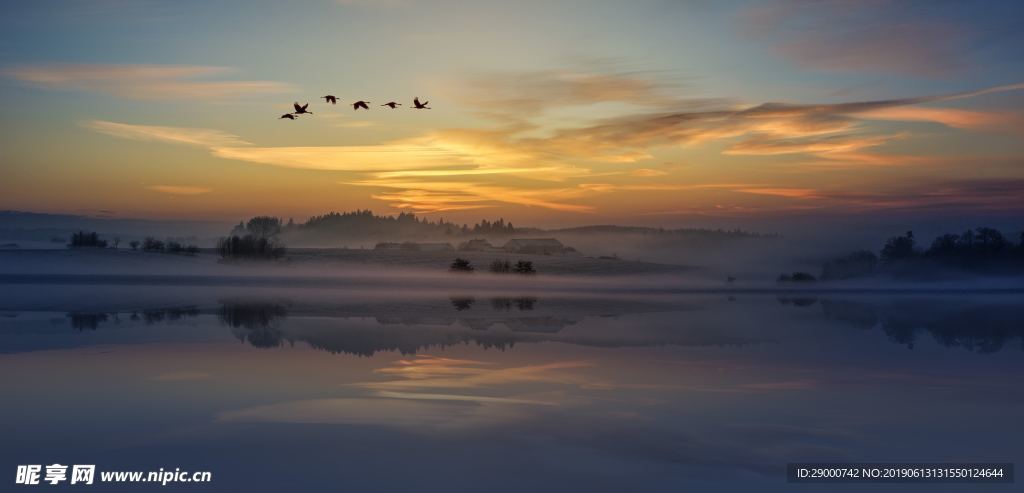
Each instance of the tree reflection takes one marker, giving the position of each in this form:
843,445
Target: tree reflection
984,325
462,303
93,320
169,314
506,304
985,328
86,321
254,322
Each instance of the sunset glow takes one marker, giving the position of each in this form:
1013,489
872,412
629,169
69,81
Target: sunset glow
651,110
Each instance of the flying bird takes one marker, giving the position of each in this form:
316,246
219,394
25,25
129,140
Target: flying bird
288,116
392,105
330,99
301,110
361,104
418,105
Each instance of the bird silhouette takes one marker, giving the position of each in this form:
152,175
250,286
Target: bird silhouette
288,116
392,105
418,105
330,99
301,110
361,104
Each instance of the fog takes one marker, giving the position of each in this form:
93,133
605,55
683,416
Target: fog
86,280
625,258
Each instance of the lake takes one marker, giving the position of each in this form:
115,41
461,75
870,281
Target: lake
340,389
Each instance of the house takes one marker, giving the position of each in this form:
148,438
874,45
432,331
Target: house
477,245
410,246
536,246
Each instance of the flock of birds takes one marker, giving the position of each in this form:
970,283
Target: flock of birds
358,105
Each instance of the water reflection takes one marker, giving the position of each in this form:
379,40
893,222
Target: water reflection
687,393
981,327
506,304
984,328
463,303
172,314
254,322
366,329
92,320
86,321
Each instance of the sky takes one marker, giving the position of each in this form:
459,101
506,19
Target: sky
547,113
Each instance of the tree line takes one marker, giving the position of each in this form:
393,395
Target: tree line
979,250
361,223
91,239
255,239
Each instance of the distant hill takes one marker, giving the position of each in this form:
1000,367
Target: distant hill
642,230
365,225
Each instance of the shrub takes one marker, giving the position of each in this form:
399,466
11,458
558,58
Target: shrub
249,246
899,248
264,227
151,244
134,244
524,267
461,265
82,239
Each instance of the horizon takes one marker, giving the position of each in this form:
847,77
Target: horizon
905,112
862,233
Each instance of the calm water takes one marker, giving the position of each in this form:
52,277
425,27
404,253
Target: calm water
323,389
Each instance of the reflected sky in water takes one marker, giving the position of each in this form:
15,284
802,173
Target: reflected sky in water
292,390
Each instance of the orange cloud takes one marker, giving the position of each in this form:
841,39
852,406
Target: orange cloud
817,146
793,193
463,172
385,157
431,196
946,116
648,172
